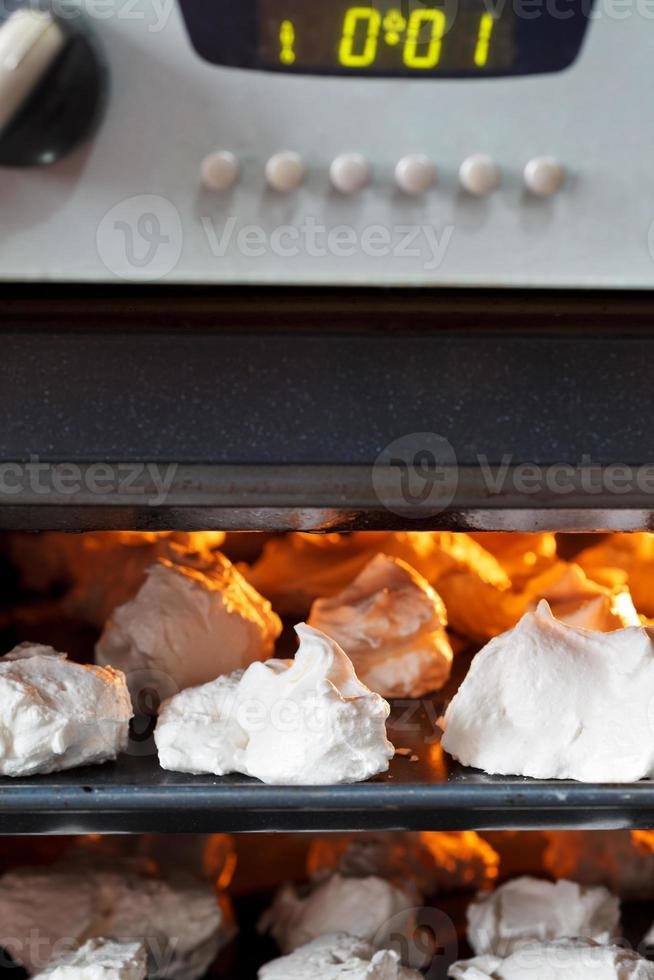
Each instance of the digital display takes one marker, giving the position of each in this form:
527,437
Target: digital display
427,39
387,36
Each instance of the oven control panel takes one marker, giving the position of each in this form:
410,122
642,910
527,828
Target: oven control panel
398,142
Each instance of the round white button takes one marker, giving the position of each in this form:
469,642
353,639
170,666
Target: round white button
349,173
285,171
479,174
219,171
415,174
544,176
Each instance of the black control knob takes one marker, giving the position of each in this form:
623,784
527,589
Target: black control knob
53,85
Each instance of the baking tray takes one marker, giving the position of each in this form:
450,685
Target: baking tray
431,793
424,789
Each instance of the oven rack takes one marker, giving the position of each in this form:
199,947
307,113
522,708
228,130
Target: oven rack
135,795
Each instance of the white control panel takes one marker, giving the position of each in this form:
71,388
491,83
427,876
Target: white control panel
201,173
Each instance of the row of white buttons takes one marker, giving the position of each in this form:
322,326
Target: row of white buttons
414,174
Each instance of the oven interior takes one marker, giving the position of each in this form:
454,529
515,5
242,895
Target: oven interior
57,588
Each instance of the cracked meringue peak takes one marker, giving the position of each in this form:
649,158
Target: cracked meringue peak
185,627
371,908
551,701
308,721
56,714
338,955
564,959
392,625
99,959
526,909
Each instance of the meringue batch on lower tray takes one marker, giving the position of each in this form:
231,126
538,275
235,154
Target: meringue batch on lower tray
386,906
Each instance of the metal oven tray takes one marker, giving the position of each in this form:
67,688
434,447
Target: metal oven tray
434,793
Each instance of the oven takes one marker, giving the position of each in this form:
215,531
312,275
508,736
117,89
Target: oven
262,413
222,228
404,144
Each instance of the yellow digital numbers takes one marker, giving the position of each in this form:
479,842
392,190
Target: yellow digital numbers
423,37
287,43
486,25
354,18
418,21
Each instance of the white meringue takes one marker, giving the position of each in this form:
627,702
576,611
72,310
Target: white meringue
46,911
99,959
185,627
565,959
391,623
525,910
370,908
56,714
553,702
307,721
198,730
338,955
622,860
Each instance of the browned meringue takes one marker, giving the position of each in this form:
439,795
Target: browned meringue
103,570
579,601
482,611
298,568
521,555
185,627
631,554
391,623
435,863
621,860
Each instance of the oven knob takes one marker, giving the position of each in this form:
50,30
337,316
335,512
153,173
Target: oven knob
52,86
